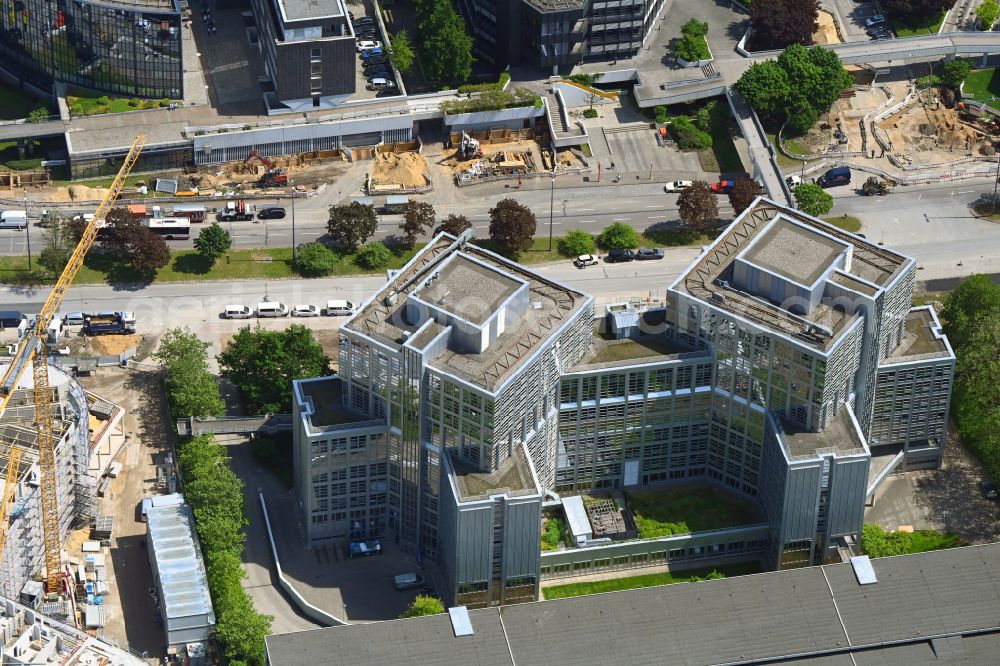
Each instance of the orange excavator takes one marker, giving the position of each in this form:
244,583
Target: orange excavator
273,177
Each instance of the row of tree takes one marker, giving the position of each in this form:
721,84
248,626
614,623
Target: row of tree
444,44
971,319
191,388
215,494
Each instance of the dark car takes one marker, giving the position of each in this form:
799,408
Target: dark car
834,177
723,186
988,489
647,253
363,21
620,255
375,62
365,548
271,213
386,92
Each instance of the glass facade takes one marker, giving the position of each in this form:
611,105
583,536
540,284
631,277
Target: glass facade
129,49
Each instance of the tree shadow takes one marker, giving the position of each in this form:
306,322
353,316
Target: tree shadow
195,263
672,233
116,272
737,29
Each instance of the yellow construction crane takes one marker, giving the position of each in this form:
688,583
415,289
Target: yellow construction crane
32,348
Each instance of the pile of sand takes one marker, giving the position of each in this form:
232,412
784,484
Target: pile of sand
827,32
112,345
82,193
405,169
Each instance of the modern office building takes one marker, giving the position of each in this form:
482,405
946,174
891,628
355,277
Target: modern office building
555,33
123,47
474,394
308,52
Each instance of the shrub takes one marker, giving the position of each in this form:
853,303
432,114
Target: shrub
955,72
315,260
373,256
987,14
555,531
661,114
103,100
688,136
483,87
424,605
576,243
38,114
590,113
618,236
928,81
692,45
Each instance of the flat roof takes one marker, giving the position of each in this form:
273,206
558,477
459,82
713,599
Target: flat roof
838,436
919,338
325,394
605,351
468,289
794,252
303,10
382,317
513,477
853,282
812,615
703,280
180,569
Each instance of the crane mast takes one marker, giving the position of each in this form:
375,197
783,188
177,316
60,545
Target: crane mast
31,351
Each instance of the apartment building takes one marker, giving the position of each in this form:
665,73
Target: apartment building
474,394
308,53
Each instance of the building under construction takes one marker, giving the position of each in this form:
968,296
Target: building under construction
83,427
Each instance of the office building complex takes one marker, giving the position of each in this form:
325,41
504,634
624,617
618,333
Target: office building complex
554,33
121,47
308,52
475,394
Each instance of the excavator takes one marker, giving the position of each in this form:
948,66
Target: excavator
273,177
31,353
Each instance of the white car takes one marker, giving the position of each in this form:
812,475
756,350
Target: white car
677,186
367,44
305,311
874,20
794,181
585,260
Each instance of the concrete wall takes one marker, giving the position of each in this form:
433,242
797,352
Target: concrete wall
848,487
522,536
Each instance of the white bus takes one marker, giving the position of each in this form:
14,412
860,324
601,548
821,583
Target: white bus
170,228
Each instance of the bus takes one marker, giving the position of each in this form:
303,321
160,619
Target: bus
170,228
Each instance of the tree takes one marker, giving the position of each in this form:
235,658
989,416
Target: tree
917,12
191,389
743,194
132,243
58,241
262,364
512,226
618,236
213,242
401,51
688,136
765,87
373,256
698,207
976,299
812,199
954,73
576,243
315,260
778,23
418,218
423,605
987,13
454,225
446,47
351,225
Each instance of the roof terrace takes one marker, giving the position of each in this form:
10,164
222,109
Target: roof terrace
793,252
325,395
839,437
922,338
513,478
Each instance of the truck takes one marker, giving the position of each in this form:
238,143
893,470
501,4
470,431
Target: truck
109,323
236,211
14,219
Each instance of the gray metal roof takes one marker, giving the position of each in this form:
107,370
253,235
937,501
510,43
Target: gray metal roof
183,583
819,616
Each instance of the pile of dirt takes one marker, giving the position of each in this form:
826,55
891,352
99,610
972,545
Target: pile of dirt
827,32
404,169
112,345
83,193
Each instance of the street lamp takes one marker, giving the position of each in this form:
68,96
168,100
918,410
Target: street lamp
552,202
294,249
27,227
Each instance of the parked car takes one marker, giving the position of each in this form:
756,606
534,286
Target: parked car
271,213
367,45
305,311
375,63
407,581
372,53
238,312
835,176
874,20
616,256
380,83
386,92
723,186
340,308
677,186
988,489
365,548
373,74
364,20
646,253
73,318
585,260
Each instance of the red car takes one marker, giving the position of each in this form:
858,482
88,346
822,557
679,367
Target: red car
723,186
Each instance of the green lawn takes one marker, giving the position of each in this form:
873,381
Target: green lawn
984,85
879,543
90,104
188,266
658,235
845,222
16,104
688,509
784,160
904,29
646,580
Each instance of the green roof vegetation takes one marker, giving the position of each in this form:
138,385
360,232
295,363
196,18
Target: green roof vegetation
687,509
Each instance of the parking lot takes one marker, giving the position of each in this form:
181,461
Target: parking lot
854,15
361,11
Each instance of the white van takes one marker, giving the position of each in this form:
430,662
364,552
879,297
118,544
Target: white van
238,312
13,219
381,84
339,308
272,309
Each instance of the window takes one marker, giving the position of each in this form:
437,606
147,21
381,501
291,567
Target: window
317,52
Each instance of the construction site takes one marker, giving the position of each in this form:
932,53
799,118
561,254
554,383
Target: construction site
503,153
